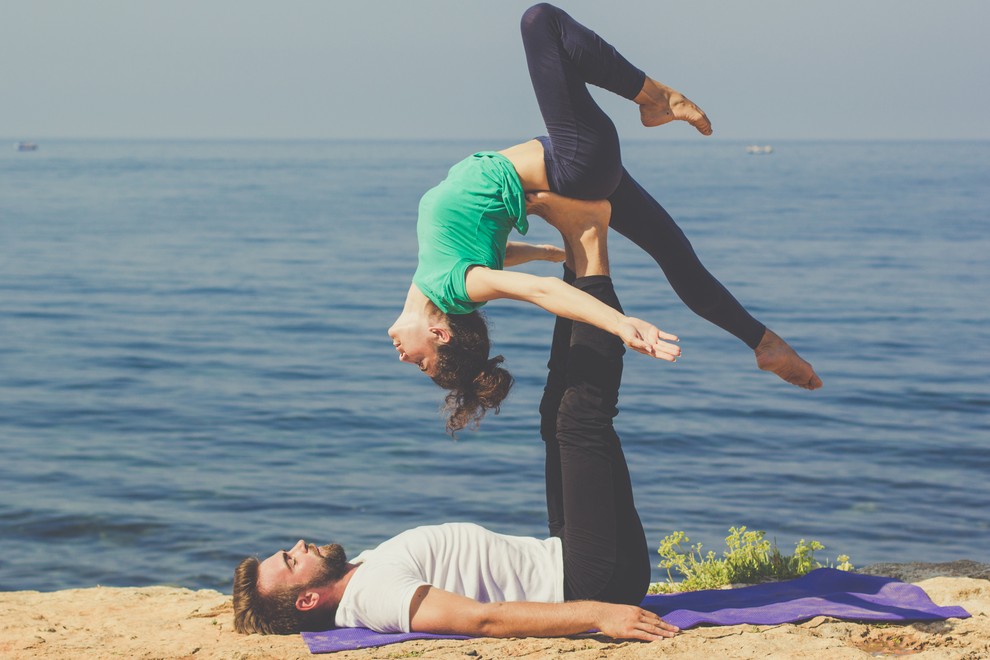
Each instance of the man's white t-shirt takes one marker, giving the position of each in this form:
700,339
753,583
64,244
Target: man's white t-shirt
462,558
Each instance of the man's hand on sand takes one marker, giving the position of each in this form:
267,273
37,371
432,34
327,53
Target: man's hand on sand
659,104
631,622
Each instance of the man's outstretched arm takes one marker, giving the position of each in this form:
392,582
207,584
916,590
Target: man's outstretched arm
437,611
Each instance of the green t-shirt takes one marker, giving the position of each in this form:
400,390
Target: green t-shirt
465,221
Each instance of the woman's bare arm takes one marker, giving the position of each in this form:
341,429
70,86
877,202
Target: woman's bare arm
519,253
562,299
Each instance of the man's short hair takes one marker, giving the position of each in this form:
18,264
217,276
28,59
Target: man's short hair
270,614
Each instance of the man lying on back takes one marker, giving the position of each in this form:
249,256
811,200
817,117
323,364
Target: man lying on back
457,578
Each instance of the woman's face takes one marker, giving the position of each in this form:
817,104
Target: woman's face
416,340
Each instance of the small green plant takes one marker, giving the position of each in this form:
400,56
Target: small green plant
749,558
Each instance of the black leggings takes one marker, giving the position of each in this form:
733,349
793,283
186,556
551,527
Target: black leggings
589,495
583,159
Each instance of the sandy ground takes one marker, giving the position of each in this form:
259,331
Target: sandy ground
165,622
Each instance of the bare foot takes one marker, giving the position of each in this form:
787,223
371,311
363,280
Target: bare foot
659,104
774,354
571,217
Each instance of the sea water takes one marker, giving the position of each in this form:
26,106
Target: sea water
194,365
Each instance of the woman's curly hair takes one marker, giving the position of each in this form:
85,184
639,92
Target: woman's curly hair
476,382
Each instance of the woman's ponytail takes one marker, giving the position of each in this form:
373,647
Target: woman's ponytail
477,384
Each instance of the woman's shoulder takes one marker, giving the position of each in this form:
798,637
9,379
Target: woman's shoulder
446,287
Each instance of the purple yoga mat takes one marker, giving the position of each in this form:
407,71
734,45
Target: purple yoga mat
824,592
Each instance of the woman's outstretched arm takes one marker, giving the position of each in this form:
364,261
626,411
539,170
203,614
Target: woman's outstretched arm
560,299
519,253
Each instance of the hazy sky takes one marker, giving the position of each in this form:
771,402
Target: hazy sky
764,69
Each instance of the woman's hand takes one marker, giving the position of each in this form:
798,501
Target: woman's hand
553,253
631,622
647,339
519,253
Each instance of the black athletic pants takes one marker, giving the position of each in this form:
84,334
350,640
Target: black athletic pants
583,160
589,495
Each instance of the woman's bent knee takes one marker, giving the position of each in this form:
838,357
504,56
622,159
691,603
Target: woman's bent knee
538,16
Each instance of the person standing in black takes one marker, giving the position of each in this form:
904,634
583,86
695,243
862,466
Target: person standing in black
590,503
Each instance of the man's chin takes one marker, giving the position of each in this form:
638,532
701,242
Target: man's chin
333,563
332,553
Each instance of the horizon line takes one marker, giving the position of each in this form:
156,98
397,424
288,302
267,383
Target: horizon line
142,138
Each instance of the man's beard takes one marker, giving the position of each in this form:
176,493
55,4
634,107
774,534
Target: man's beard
333,566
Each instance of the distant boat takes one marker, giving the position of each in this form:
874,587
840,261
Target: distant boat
25,146
759,149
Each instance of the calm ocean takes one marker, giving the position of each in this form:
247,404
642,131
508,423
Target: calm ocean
194,365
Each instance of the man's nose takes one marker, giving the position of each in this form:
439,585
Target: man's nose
300,544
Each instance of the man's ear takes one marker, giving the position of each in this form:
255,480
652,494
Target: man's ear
441,333
307,600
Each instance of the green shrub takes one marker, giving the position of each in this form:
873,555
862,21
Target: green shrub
748,559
